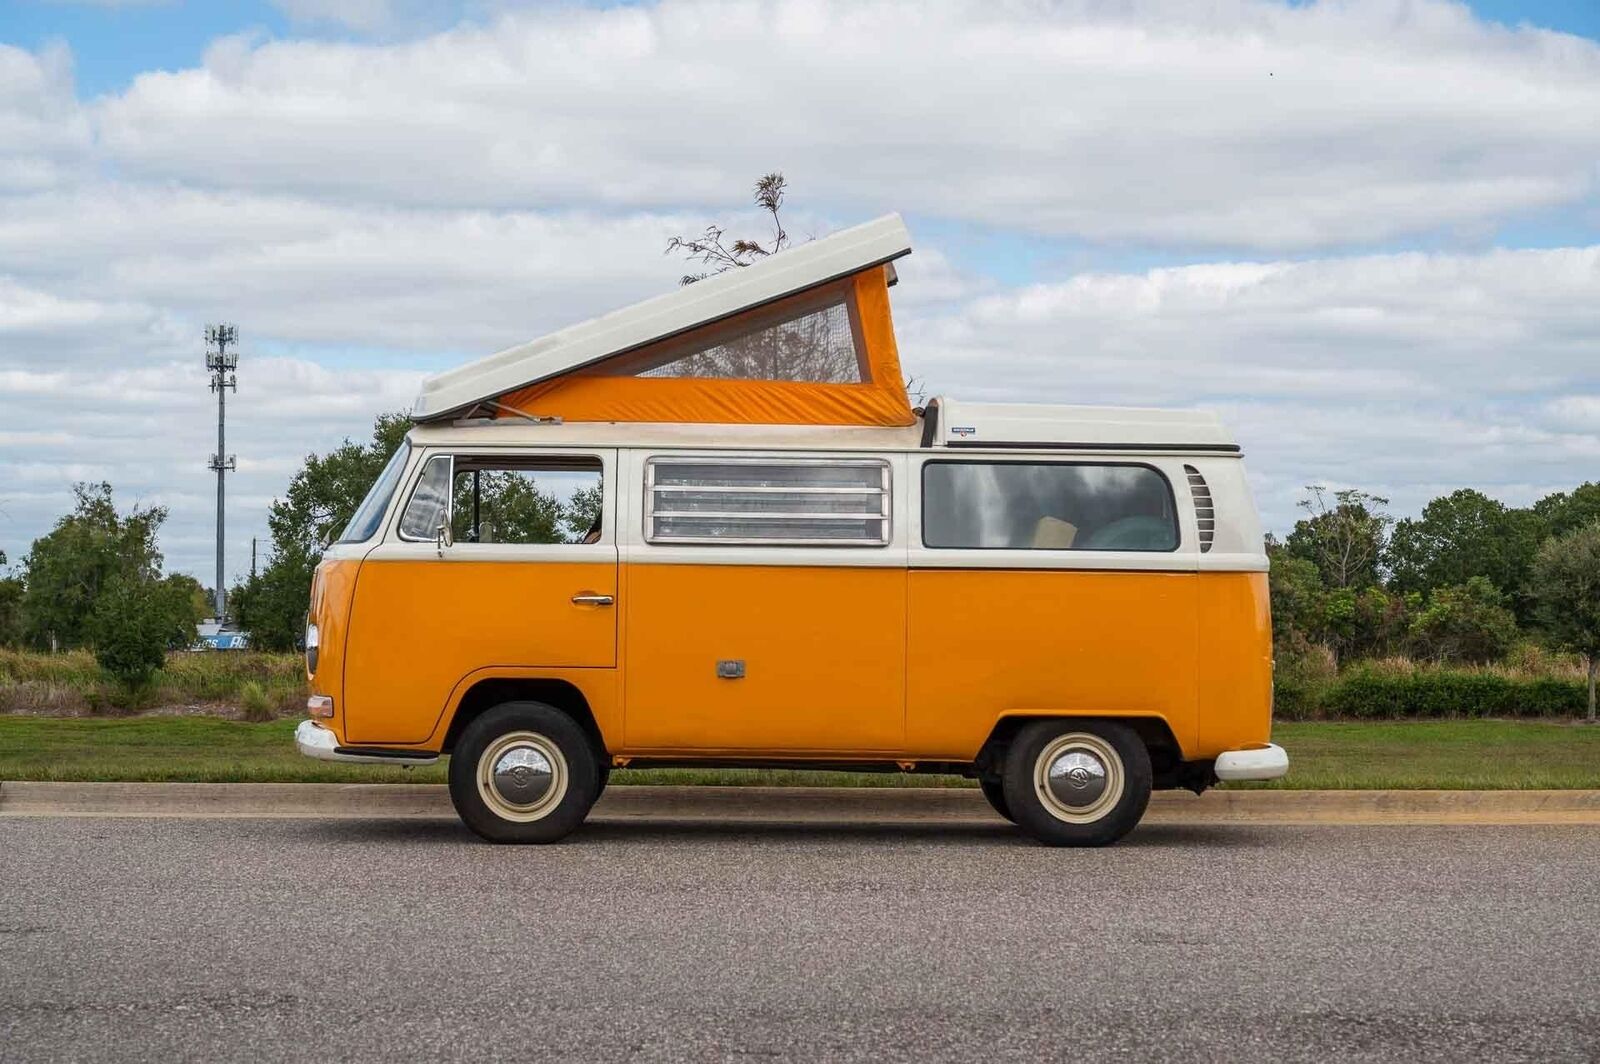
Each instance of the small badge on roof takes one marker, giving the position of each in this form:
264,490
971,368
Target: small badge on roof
963,430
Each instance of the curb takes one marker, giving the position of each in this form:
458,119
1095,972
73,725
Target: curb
792,804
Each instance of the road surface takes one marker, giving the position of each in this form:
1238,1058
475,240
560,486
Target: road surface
133,939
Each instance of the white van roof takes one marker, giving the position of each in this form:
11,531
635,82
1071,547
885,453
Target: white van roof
796,269
946,423
952,423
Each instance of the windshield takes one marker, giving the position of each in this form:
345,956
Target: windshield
371,510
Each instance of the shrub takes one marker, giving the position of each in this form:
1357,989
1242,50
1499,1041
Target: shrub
258,707
1395,689
1466,623
131,625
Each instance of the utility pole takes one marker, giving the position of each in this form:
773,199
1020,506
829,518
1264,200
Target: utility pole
222,363
252,557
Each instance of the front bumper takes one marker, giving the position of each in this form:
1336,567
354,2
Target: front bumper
316,741
1263,763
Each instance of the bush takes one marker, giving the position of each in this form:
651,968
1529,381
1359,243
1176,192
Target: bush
258,707
131,626
1397,689
1466,623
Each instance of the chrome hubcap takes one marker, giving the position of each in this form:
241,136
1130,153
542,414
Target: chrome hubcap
1078,777
522,776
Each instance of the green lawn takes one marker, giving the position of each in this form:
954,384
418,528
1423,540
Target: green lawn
1464,754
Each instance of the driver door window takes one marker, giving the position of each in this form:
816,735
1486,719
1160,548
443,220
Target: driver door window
487,499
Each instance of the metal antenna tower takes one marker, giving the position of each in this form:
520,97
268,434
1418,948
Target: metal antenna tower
222,363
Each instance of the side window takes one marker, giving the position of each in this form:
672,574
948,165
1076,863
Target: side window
813,337
364,522
430,501
496,499
1047,506
767,501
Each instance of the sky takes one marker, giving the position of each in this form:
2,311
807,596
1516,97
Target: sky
1367,232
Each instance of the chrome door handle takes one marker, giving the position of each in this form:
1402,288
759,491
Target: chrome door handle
587,599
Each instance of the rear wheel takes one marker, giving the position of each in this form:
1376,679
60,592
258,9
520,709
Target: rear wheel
1077,783
994,790
523,772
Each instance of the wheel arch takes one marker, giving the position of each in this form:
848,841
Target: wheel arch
564,695
1166,754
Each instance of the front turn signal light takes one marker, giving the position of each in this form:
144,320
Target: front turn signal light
319,706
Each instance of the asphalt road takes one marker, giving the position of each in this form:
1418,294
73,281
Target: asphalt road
336,939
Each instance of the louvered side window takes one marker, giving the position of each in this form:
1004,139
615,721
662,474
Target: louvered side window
767,501
1205,511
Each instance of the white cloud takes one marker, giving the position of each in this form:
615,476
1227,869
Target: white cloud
369,212
44,133
1237,123
1399,373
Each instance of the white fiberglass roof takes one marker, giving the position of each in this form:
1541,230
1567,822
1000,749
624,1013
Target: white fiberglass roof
993,426
793,270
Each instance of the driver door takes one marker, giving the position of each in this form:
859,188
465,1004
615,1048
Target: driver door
495,559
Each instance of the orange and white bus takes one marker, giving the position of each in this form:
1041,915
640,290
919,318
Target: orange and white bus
711,530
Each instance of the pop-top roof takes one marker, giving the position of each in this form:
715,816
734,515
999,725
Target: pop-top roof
951,423
519,379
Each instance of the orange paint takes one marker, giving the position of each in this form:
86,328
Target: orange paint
840,662
823,651
990,643
597,393
417,628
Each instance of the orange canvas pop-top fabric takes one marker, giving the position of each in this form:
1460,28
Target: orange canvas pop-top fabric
597,393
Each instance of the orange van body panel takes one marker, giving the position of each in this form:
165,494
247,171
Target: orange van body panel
1235,663
991,643
823,651
418,628
844,663
332,588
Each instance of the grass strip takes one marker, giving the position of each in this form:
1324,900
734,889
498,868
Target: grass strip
1435,755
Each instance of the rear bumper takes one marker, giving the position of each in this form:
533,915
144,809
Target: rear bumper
1263,763
316,741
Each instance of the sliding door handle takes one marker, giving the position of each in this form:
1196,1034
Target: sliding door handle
590,599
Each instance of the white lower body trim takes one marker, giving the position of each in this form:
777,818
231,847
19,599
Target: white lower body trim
315,741
1264,763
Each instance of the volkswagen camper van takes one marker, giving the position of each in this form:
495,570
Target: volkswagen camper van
712,530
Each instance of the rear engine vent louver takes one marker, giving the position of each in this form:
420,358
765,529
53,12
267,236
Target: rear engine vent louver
1205,510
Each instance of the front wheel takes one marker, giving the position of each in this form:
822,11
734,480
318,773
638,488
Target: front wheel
523,772
1077,783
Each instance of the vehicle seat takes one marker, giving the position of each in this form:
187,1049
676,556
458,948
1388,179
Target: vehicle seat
1052,533
1133,533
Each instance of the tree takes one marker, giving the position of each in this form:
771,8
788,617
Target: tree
1469,622
1566,511
1345,540
324,494
191,605
1366,622
1565,583
319,502
135,621
1462,535
68,567
510,507
271,605
11,590
581,512
1296,593
818,345
711,248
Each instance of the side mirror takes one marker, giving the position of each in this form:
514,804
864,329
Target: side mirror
442,537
